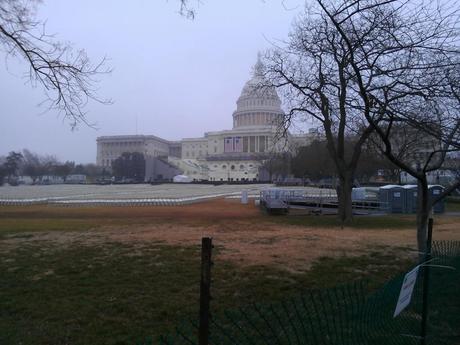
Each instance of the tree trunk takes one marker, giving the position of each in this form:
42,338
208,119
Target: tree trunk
345,210
423,214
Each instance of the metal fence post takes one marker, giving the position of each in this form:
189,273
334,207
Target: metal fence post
205,288
426,283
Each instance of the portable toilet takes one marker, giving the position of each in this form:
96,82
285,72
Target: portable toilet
410,198
434,191
358,194
244,197
391,198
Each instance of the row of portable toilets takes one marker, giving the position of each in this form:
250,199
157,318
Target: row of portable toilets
403,199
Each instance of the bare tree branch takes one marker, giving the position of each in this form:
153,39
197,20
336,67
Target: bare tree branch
404,56
66,75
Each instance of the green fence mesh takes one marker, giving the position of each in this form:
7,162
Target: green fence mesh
347,314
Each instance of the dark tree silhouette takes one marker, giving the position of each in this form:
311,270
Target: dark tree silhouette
312,73
130,165
11,165
402,70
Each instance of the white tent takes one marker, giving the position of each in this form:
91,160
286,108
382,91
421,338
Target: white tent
182,179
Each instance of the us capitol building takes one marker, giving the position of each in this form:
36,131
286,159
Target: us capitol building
237,154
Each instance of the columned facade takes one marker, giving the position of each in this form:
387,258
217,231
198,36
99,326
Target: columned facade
110,148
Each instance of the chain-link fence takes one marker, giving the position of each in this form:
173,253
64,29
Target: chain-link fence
347,314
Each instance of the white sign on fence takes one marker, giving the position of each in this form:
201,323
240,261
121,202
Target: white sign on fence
407,288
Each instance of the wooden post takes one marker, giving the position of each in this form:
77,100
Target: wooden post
205,289
426,283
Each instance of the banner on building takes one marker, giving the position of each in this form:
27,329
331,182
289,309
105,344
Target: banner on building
233,144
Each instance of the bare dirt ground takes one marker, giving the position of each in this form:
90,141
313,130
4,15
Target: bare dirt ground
242,233
284,245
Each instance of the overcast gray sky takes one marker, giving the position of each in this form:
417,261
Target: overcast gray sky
175,77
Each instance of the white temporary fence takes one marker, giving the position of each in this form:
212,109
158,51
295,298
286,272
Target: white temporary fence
115,202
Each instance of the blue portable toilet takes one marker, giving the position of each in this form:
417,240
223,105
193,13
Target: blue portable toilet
391,198
434,191
410,198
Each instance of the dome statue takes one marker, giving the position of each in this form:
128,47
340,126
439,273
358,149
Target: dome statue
258,104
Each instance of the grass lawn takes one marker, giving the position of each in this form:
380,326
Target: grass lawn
119,294
453,204
108,292
359,222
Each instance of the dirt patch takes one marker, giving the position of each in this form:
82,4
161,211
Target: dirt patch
288,246
204,212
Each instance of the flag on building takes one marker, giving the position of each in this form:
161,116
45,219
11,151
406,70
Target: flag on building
228,144
238,147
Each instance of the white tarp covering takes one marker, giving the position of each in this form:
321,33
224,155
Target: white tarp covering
182,179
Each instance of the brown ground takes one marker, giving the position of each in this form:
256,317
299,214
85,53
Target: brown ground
243,234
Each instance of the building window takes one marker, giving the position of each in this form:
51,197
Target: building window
241,166
232,167
224,166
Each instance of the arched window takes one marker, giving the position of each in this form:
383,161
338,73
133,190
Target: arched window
232,167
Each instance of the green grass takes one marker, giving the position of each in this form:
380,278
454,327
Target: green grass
43,219
359,222
110,294
453,204
13,225
121,294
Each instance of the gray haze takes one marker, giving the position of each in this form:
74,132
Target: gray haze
174,77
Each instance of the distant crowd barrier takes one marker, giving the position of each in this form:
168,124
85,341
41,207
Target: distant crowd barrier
59,201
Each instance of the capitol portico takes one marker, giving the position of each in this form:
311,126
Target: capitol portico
228,155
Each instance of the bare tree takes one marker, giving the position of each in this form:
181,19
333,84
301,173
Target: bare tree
66,75
187,10
31,165
313,73
37,166
404,64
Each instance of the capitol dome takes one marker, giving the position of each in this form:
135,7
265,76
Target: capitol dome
258,104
